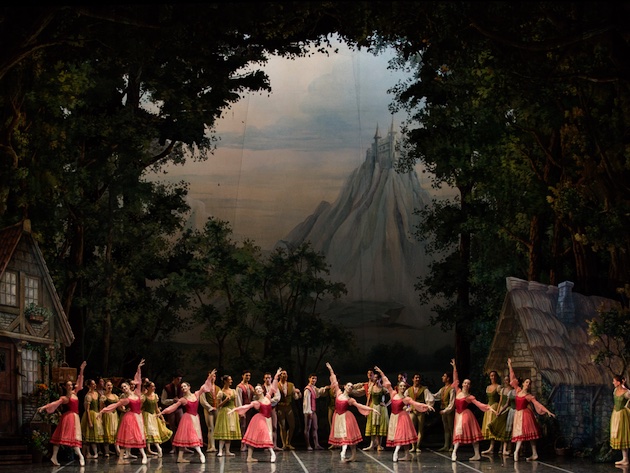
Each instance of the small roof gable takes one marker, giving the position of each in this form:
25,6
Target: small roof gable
561,352
10,237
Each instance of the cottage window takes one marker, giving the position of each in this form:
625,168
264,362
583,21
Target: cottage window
30,370
9,288
31,290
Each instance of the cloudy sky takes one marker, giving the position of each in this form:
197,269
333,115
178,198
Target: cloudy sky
281,154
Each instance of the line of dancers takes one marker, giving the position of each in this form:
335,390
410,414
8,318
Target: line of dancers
508,419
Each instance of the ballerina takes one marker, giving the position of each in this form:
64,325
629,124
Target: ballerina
68,431
345,430
401,432
525,426
466,429
259,433
188,433
131,426
620,420
155,428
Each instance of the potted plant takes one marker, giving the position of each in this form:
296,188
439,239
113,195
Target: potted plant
38,444
37,313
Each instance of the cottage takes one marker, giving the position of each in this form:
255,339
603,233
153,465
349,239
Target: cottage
544,330
32,324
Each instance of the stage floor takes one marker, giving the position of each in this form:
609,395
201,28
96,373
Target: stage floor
328,461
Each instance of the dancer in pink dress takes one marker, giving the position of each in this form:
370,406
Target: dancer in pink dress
345,430
525,426
401,432
466,429
131,427
188,434
259,433
68,431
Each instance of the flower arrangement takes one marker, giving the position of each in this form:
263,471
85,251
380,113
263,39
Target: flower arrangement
39,441
37,313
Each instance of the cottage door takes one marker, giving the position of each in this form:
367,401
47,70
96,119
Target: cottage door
8,385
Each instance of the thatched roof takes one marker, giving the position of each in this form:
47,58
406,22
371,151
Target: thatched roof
561,351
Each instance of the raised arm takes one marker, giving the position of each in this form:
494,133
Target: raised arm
334,384
513,378
208,386
455,383
386,382
273,390
79,384
137,379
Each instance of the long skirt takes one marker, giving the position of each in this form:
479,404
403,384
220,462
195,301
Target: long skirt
110,427
258,434
155,428
131,431
620,429
68,431
466,428
345,430
95,433
525,426
188,433
401,430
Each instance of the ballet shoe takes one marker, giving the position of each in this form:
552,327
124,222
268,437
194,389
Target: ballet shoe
367,449
454,457
220,454
202,458
229,454
273,457
395,457
533,458
474,458
515,456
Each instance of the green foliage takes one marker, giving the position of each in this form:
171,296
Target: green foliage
609,332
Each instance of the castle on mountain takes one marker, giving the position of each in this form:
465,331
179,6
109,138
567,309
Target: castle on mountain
383,150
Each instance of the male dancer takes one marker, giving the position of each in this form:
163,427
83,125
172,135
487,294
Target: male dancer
286,419
245,395
418,393
309,407
170,395
446,395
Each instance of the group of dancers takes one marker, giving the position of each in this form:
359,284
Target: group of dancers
248,414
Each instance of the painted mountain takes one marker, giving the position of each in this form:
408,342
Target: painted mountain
367,236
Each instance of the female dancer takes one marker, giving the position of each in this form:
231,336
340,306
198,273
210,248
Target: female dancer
620,420
501,426
227,427
466,429
68,431
155,428
91,423
493,391
259,433
345,430
401,432
188,433
131,427
376,425
109,419
525,426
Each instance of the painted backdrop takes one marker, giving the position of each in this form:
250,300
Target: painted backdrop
313,161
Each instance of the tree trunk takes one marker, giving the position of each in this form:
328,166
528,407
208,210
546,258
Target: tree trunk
535,249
